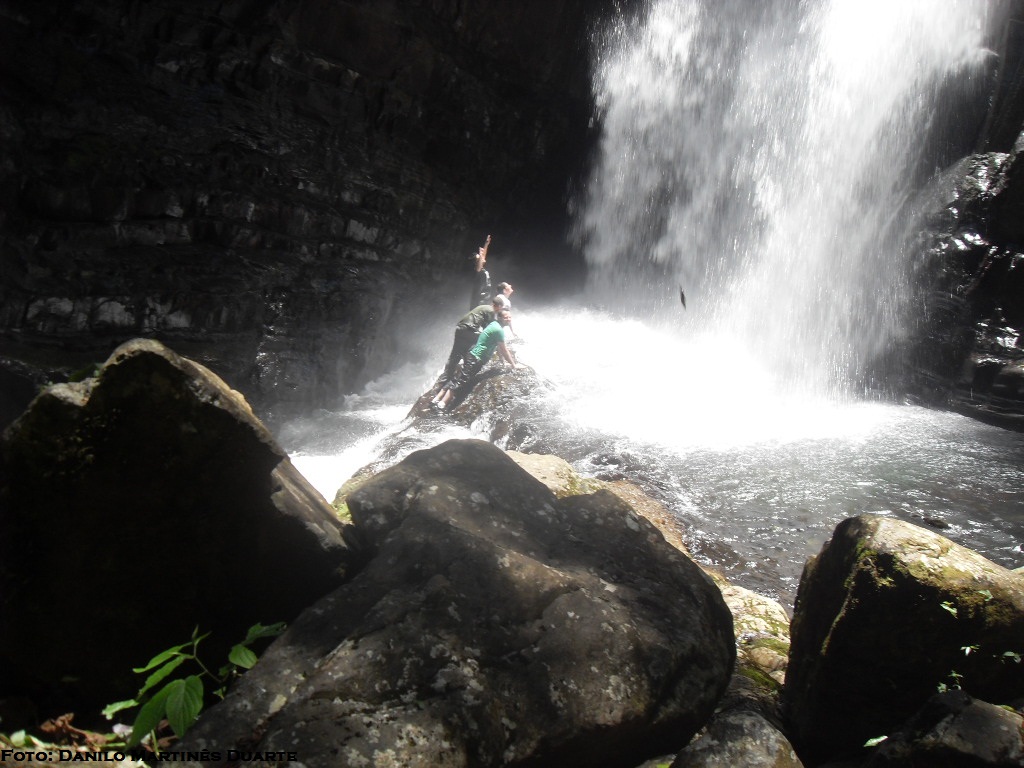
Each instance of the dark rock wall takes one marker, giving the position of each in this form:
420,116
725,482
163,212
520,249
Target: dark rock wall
264,184
966,350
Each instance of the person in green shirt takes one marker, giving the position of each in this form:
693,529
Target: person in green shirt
466,332
491,339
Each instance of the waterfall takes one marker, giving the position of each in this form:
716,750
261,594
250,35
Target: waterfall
760,155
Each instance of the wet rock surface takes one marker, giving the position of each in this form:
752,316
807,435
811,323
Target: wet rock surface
967,351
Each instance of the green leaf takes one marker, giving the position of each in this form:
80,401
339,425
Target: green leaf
149,716
242,657
258,631
948,606
875,741
112,709
184,703
21,739
160,658
161,673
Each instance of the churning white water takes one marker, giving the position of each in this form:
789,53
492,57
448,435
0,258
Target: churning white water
757,155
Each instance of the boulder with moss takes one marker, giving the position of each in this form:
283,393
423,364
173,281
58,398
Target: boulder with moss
884,614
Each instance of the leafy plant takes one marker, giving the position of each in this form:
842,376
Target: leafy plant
955,679
181,700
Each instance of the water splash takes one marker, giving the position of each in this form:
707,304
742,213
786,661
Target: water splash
759,155
676,393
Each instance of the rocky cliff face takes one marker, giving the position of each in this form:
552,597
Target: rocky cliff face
265,184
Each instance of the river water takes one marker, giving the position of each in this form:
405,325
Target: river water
760,158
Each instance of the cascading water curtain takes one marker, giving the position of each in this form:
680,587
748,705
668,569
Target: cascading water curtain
759,155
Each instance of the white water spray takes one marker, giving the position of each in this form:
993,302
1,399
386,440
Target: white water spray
759,154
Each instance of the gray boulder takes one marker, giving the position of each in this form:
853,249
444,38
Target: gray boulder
136,506
884,614
746,729
739,738
954,730
494,625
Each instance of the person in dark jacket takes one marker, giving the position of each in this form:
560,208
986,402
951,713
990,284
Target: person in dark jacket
466,332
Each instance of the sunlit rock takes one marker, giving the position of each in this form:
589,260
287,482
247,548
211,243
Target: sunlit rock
137,506
762,636
562,480
885,614
494,625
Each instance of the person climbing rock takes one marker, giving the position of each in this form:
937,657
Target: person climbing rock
466,332
491,338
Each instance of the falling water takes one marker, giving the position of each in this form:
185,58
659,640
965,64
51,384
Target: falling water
759,155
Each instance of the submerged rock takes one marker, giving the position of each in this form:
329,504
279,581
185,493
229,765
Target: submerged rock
885,614
494,625
136,506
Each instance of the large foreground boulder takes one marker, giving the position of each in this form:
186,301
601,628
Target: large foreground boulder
140,504
885,614
494,625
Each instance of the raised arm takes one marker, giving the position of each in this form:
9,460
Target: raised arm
481,254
